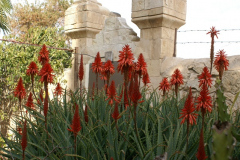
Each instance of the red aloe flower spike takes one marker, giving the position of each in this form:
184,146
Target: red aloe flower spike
76,125
213,32
19,91
112,94
97,67
141,67
164,86
86,114
177,80
30,101
221,62
136,95
201,155
46,73
126,59
81,71
146,79
115,114
205,78
24,139
204,100
58,90
19,130
188,110
43,57
32,71
108,70
111,158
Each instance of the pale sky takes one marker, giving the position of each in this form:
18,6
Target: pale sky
201,15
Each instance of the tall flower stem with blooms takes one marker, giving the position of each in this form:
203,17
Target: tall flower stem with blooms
204,100
221,63
43,55
125,65
32,71
97,67
81,74
29,103
213,32
141,67
108,71
112,94
76,126
20,93
46,77
188,112
176,80
164,86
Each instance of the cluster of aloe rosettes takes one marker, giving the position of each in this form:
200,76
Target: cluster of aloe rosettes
128,122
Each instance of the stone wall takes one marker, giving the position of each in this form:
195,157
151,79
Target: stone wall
192,68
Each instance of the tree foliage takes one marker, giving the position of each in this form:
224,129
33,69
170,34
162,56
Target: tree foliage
49,13
5,8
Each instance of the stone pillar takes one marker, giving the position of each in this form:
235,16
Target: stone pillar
157,20
83,20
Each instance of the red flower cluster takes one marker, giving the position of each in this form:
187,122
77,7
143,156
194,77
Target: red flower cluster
19,91
188,110
76,125
126,58
213,32
46,73
112,95
205,78
146,79
58,90
201,155
43,57
108,69
204,100
164,86
136,95
141,67
30,101
97,64
177,80
32,69
221,63
81,69
115,114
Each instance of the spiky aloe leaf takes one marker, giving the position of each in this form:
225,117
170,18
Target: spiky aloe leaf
223,141
222,107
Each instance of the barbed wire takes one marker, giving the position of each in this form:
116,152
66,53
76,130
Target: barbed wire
209,42
36,45
209,30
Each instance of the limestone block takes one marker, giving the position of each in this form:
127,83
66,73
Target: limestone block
180,6
111,37
166,33
157,49
153,68
167,48
137,5
149,4
121,22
